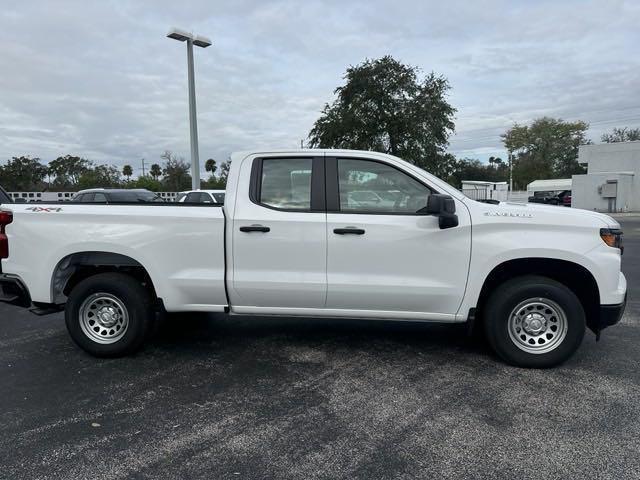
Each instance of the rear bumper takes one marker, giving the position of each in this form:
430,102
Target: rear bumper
13,291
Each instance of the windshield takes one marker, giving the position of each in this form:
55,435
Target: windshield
128,197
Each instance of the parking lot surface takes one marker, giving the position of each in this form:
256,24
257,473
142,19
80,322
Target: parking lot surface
217,397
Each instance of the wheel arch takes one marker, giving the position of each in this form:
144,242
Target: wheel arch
574,276
75,267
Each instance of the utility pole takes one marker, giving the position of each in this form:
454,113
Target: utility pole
143,171
301,143
510,171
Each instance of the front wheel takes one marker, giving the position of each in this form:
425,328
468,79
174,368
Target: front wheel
109,314
534,321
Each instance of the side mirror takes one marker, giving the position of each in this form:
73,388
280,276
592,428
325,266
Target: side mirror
443,207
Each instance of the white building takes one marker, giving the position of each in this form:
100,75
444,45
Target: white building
611,183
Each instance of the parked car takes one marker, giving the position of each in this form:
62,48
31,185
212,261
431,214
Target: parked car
114,195
201,196
4,196
566,198
549,198
287,241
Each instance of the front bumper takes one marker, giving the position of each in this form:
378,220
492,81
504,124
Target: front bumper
13,291
611,314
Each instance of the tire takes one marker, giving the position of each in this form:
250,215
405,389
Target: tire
534,322
109,314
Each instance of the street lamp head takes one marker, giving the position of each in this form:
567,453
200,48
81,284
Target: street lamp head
179,35
203,42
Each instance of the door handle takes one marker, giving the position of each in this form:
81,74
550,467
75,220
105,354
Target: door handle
255,228
348,231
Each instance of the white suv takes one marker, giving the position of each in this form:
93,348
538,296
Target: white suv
201,196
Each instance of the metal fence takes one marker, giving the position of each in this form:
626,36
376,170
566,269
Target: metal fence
518,196
67,196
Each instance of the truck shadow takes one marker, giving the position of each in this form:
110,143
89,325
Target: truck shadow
203,330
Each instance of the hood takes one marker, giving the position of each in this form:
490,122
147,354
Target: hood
551,214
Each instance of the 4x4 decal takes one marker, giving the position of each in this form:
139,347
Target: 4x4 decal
45,209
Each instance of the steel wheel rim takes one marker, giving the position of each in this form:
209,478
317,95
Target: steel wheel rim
537,325
104,318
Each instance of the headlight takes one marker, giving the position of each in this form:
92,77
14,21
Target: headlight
612,237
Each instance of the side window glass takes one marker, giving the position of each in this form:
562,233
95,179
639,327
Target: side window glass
193,197
205,198
373,187
87,198
100,197
286,183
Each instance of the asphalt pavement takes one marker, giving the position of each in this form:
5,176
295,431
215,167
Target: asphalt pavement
216,397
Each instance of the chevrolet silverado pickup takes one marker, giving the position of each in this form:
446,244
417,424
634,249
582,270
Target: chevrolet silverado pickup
321,233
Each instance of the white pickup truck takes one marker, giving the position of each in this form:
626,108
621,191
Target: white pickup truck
321,233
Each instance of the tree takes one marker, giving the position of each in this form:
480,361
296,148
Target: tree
68,170
384,106
22,174
101,176
210,166
624,134
176,172
224,171
472,169
156,171
495,162
147,182
127,171
548,148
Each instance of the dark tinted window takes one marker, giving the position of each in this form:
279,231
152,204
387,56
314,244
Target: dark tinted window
219,197
86,197
100,197
133,197
194,197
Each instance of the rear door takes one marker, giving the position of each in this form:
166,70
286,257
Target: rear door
385,256
279,235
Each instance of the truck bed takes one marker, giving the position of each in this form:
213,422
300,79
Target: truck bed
180,246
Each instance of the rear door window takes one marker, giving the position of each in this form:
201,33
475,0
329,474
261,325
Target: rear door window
286,183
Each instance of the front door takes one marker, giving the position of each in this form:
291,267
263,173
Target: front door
279,236
384,256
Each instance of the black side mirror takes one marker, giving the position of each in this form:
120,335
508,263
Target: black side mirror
443,207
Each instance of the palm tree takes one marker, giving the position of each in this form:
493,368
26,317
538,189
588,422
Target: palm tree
127,171
210,166
155,171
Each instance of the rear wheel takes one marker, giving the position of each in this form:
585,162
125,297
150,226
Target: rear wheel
534,321
109,314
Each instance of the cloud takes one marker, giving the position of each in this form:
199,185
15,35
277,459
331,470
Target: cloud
100,79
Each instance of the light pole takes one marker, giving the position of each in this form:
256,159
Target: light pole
203,42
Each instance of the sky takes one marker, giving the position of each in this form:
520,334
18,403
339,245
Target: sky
99,79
